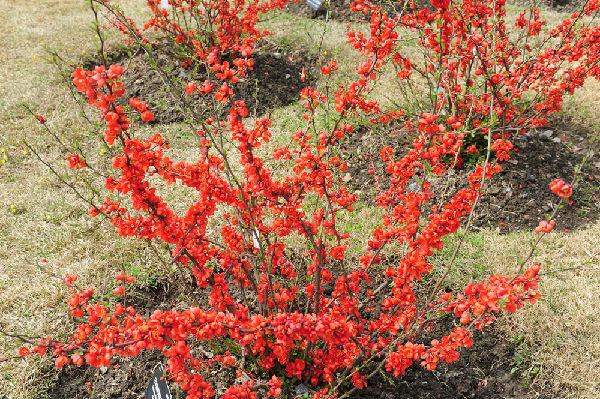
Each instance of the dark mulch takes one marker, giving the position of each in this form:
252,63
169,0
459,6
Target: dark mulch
366,174
274,82
127,378
339,10
485,371
519,196
564,5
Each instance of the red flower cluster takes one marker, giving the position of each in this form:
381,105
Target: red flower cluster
545,226
561,188
265,234
74,161
103,88
142,108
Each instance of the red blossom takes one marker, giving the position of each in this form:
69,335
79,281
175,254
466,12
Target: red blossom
561,188
267,231
119,291
74,161
545,226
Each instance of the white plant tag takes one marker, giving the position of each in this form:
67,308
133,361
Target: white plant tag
314,4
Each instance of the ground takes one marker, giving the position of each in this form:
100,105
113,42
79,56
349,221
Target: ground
554,345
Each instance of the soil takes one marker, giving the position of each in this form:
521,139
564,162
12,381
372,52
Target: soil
519,197
127,378
339,10
485,371
565,5
274,82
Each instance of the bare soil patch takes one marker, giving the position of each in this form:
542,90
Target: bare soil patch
519,196
485,371
126,378
274,82
339,10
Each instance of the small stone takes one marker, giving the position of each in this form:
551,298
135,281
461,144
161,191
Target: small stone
300,389
413,187
547,133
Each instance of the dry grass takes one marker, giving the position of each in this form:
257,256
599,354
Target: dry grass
39,219
560,334
557,339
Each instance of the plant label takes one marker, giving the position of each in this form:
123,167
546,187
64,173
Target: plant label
157,386
314,4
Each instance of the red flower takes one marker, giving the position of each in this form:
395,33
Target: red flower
74,161
330,67
147,116
275,384
125,278
560,188
69,279
77,360
119,291
190,88
338,252
358,380
545,226
61,361
23,351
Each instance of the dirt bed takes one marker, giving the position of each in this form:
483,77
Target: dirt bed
274,82
127,378
486,371
519,196
339,10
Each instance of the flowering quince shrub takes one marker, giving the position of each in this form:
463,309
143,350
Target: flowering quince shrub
338,318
